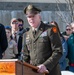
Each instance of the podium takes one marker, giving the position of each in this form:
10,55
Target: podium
16,67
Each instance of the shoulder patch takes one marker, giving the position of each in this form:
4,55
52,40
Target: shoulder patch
54,29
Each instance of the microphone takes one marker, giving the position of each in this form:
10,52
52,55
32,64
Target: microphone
23,31
22,56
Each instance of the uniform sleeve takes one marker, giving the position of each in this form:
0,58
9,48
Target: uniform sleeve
3,38
56,47
25,49
26,54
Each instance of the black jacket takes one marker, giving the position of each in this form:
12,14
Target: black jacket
3,40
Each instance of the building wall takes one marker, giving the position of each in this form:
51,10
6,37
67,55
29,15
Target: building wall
38,1
9,10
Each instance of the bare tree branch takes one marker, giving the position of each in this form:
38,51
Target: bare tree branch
60,13
71,8
70,4
63,19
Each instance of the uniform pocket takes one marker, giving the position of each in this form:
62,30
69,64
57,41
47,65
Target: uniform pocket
28,45
43,39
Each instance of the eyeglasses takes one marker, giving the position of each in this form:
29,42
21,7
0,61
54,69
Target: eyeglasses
68,29
14,22
20,25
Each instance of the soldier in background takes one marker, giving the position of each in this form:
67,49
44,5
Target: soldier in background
43,48
14,31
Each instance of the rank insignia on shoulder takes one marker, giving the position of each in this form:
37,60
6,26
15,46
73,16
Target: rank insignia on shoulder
54,29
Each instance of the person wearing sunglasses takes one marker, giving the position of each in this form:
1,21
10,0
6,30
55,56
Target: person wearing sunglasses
70,42
67,32
14,25
20,24
21,37
15,29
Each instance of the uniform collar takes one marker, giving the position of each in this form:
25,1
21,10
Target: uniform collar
36,28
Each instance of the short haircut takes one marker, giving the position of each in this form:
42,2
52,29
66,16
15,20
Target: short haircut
68,25
20,20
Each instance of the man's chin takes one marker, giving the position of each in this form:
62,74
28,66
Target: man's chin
33,25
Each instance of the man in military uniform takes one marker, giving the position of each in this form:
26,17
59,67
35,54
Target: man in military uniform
43,44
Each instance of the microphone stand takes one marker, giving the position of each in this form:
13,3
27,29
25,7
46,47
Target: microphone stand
22,60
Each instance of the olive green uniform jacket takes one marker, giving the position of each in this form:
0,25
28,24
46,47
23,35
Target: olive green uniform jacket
45,48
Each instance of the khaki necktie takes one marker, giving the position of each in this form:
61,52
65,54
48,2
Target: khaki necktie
34,33
15,37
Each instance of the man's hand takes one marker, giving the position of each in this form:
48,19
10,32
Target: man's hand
42,69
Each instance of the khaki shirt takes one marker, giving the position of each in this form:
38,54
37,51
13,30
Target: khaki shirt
11,51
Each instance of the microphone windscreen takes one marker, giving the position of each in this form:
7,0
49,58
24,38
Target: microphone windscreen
27,29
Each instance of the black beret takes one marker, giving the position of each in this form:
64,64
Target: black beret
31,9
